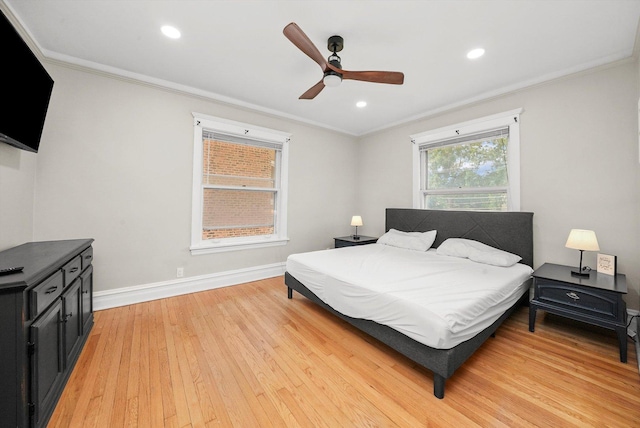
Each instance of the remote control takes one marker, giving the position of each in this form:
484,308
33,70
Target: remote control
11,270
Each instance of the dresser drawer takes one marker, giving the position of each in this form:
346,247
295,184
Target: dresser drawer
582,299
72,270
42,295
87,257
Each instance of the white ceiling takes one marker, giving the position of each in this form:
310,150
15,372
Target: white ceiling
234,51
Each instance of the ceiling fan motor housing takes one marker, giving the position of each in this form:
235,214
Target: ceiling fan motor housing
335,61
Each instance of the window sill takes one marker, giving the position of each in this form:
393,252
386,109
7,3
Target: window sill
209,248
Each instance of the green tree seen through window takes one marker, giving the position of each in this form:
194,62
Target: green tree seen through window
466,169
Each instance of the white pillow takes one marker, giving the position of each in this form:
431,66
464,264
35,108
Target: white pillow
419,241
478,252
455,247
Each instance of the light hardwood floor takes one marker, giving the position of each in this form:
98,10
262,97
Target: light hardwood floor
246,356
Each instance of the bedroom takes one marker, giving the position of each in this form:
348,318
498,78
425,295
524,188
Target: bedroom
135,201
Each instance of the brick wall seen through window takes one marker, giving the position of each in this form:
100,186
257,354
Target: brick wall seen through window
238,184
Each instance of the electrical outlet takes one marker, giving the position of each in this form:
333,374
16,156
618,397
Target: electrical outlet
180,272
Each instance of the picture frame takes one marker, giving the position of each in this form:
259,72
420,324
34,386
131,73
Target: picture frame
607,264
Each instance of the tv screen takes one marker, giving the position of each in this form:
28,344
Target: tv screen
26,90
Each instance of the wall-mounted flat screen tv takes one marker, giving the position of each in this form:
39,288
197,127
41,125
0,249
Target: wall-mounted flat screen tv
26,90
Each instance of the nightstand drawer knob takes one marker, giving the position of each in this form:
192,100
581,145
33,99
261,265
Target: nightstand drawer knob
573,295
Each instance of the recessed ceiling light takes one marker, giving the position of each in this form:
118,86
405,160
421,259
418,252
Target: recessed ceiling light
475,53
170,32
361,104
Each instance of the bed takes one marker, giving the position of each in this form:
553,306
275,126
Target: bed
335,290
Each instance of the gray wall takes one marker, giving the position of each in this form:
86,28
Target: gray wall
115,164
579,165
17,190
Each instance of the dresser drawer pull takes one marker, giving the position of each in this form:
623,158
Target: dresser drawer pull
87,257
73,269
51,290
573,295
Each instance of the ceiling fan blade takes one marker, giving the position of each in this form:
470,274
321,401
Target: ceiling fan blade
312,91
391,77
300,39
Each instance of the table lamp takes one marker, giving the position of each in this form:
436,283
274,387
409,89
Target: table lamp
583,240
356,221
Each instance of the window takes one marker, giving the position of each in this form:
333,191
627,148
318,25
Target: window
473,166
239,186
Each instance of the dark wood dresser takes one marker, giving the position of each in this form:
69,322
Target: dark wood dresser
46,314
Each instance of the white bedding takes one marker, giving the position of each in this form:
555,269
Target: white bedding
439,301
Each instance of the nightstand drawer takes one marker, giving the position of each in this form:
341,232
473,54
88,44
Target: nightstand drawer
579,298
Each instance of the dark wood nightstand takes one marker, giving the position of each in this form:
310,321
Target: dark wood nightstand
596,299
349,241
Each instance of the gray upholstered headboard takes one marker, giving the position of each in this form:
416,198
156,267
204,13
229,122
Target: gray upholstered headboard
508,231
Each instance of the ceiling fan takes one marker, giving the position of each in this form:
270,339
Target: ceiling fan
333,74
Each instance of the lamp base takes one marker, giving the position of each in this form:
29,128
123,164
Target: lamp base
583,274
355,237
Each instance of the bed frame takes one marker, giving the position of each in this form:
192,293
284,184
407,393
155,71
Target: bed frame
508,231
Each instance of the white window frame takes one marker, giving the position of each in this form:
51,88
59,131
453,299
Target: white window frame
229,127
510,119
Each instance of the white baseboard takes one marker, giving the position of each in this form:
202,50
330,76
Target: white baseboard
160,290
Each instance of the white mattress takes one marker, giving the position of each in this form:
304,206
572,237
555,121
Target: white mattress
439,301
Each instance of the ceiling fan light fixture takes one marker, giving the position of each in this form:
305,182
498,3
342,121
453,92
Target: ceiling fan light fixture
332,79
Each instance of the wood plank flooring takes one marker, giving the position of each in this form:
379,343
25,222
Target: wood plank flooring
246,356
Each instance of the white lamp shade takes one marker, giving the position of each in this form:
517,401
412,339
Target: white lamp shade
332,80
580,239
356,220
